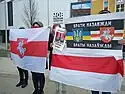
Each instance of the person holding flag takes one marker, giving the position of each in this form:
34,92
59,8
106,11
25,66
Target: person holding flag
29,49
23,74
38,78
50,44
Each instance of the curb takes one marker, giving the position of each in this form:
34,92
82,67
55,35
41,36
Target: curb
2,74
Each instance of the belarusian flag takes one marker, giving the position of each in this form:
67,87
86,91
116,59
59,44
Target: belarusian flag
29,48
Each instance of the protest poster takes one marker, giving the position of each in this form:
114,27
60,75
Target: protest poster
102,34
59,39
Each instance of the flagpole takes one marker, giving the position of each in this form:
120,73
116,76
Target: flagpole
6,37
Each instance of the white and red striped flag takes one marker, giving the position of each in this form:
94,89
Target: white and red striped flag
93,72
29,48
93,58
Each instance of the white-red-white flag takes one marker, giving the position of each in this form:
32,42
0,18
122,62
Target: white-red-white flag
29,48
93,72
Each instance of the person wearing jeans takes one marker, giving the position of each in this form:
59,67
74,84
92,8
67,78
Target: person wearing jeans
38,82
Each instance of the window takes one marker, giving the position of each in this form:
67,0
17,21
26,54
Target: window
10,13
105,4
120,7
117,8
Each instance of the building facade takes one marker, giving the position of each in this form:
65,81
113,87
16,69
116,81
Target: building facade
53,11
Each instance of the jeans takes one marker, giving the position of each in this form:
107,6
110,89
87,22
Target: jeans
38,80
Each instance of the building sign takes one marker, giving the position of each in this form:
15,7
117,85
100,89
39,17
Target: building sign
58,17
80,8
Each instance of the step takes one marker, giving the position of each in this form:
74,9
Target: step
4,53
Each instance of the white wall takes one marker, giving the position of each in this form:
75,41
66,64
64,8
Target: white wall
2,17
18,14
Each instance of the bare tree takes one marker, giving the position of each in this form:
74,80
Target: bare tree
30,12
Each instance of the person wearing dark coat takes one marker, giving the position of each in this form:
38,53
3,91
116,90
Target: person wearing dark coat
50,48
23,74
38,78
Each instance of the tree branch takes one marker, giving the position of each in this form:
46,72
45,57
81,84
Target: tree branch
30,12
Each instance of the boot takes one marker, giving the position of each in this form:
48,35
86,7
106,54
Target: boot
40,92
25,83
35,92
20,83
35,82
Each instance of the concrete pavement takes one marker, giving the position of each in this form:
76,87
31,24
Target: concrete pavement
9,77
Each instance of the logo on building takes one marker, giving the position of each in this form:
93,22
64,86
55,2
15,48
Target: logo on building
58,17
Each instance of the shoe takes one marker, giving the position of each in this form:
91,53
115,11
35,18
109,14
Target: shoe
25,83
64,92
20,83
35,92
